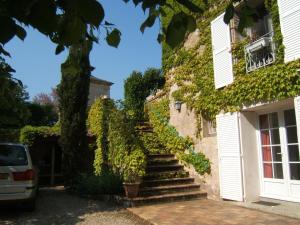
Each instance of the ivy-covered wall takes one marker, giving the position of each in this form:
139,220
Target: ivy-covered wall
192,71
190,78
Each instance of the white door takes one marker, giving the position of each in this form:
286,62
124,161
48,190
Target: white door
228,137
222,58
279,154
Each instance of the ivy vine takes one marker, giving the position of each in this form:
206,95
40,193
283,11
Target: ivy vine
193,72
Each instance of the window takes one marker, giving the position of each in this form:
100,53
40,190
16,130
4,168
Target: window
270,146
12,155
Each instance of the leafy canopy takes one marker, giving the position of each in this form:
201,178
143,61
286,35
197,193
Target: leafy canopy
67,22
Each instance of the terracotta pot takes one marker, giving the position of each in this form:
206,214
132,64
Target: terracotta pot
131,189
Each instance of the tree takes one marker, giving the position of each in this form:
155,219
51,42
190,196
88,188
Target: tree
137,87
73,96
43,99
135,94
67,22
13,110
41,115
153,80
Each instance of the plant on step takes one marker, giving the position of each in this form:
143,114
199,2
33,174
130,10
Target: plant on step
134,164
98,122
126,154
173,142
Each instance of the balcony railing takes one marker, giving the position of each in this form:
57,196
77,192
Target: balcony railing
260,53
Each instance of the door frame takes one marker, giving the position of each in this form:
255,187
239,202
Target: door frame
284,151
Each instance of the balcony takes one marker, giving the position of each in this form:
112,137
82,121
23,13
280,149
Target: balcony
260,53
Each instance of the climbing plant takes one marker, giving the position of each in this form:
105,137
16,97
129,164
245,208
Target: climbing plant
126,155
172,141
98,123
192,71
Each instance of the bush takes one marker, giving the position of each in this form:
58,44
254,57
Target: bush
151,143
106,183
98,122
133,168
198,160
138,87
126,155
29,134
9,135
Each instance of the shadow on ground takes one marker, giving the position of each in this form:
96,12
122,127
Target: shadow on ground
55,206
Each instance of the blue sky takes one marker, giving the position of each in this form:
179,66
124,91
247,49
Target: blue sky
39,68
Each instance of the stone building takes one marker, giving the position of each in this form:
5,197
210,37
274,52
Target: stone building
98,88
253,141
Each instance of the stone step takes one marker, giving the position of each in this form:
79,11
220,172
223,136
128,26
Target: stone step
162,162
161,156
168,189
163,198
162,168
153,183
166,175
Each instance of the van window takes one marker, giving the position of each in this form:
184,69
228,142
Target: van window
13,155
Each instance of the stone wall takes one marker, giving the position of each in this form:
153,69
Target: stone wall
185,123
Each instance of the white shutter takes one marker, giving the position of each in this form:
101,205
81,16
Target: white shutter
297,112
222,58
228,136
289,11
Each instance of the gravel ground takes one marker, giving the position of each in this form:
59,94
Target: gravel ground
55,206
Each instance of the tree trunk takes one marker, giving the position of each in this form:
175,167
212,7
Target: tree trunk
73,94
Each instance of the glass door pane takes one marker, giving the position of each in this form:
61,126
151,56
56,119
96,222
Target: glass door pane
292,144
271,149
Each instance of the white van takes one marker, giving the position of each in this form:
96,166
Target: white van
18,178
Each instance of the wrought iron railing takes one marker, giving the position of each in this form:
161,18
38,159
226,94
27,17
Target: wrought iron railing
260,53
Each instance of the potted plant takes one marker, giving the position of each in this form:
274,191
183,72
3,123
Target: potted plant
133,171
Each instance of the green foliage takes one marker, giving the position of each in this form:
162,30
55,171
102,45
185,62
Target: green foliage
172,141
153,80
41,115
98,122
138,87
9,135
198,160
126,155
135,95
30,134
134,165
166,133
194,72
64,22
106,183
73,97
13,110
151,143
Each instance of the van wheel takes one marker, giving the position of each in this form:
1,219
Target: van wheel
30,205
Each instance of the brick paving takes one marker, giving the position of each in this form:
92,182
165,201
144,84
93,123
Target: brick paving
208,212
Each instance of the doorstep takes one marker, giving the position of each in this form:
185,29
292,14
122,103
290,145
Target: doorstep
284,208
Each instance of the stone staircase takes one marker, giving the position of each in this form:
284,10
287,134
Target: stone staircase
165,181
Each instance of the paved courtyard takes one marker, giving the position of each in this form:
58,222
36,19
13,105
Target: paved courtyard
208,212
55,206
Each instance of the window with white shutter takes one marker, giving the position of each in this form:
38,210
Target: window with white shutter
228,136
222,58
289,11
